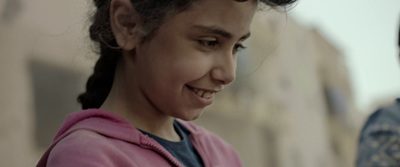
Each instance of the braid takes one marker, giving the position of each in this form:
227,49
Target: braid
100,82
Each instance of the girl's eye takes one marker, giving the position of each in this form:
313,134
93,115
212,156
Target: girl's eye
208,43
238,47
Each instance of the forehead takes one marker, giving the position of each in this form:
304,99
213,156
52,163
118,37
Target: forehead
230,15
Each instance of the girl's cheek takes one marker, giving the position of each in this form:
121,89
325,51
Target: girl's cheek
197,69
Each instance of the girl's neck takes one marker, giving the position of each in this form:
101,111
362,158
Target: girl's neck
156,124
139,113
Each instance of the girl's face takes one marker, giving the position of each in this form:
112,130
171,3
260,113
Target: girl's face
190,58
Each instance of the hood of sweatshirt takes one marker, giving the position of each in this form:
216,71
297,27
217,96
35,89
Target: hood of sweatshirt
108,124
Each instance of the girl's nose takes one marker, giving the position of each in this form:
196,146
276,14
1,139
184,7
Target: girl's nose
224,70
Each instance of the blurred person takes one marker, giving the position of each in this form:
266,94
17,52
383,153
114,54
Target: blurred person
379,144
161,63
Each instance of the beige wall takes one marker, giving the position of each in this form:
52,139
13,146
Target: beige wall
43,31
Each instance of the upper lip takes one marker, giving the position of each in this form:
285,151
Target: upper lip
205,89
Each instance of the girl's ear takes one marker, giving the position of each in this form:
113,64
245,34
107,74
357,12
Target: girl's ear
124,24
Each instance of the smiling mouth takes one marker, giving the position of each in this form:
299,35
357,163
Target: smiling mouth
203,93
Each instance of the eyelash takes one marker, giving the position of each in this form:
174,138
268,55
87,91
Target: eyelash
239,47
214,43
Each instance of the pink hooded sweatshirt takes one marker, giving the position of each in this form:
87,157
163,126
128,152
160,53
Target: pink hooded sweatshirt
97,138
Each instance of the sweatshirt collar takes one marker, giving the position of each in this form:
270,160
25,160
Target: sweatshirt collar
109,124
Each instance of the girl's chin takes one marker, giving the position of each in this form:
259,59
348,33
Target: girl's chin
193,116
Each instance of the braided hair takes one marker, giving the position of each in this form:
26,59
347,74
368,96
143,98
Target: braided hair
152,13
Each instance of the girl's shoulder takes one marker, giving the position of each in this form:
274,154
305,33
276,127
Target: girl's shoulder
81,148
86,148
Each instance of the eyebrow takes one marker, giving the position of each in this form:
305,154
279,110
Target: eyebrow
219,31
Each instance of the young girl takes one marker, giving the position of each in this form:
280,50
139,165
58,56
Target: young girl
160,61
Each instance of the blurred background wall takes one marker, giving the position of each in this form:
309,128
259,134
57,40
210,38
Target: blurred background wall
366,32
45,58
292,104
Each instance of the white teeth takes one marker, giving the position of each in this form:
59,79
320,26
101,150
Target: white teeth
203,93
200,93
207,95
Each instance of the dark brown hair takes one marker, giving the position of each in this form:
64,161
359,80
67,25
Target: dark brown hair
152,13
